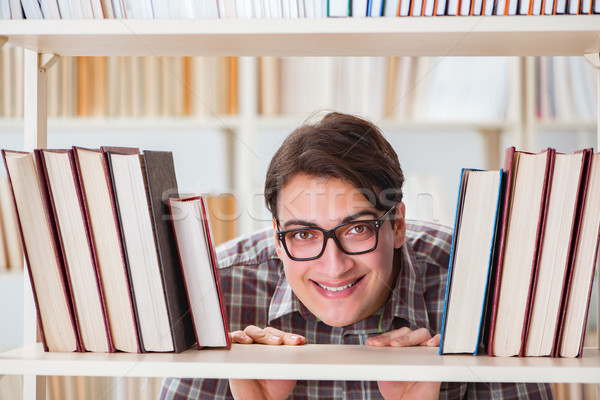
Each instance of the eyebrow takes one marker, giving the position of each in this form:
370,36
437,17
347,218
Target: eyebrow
349,218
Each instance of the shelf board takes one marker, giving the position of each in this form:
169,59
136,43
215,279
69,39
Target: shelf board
416,36
322,362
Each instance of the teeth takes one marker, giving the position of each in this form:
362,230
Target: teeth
337,289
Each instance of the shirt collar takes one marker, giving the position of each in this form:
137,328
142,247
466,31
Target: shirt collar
407,301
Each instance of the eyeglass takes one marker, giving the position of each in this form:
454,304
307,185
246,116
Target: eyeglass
355,237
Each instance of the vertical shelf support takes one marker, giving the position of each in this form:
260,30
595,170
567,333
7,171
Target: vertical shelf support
245,147
3,40
35,125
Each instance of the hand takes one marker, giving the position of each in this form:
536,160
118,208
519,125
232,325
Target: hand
268,335
263,388
405,337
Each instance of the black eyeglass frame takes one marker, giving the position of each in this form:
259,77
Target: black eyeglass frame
327,234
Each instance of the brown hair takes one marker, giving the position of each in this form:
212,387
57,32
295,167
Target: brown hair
338,146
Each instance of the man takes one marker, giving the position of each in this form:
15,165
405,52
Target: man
341,266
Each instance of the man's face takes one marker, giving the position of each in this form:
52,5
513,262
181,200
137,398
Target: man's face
338,288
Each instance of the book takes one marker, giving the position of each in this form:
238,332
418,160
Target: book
74,242
581,277
470,260
338,8
10,227
100,215
526,176
195,246
141,256
555,249
56,319
162,185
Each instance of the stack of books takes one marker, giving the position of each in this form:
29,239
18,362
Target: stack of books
155,9
524,256
101,231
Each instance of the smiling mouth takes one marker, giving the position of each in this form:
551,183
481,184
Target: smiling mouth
338,288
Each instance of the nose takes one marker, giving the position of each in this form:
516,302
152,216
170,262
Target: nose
334,262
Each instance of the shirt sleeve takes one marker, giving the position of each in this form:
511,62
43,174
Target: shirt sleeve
188,389
505,391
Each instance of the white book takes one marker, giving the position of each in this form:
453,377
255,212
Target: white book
477,7
86,8
441,7
376,9
596,6
32,9
390,8
338,8
160,9
258,9
586,6
243,8
359,8
452,7
561,6
524,7
500,6
573,6
322,6
294,12
117,8
404,8
97,9
16,12
275,9
417,7
309,8
536,8
465,7
512,7
429,8
488,8
227,9
301,6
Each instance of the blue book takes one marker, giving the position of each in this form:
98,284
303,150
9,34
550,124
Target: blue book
470,262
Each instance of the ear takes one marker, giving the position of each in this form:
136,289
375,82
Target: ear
399,226
277,242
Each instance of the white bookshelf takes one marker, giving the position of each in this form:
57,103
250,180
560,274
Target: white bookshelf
441,36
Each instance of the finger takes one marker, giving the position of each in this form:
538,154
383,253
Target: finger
386,338
434,341
260,335
414,338
240,337
287,338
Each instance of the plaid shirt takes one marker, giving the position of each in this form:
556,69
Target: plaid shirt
256,292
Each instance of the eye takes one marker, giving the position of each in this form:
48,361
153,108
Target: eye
302,235
360,229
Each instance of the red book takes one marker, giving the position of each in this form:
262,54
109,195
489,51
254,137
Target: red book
200,271
554,261
76,247
521,226
581,275
101,217
50,284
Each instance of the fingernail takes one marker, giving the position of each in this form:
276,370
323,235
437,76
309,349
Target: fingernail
293,337
275,338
